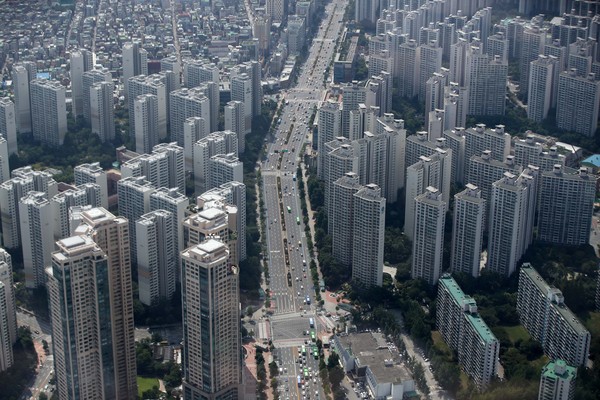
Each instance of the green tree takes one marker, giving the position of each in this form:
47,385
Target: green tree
333,360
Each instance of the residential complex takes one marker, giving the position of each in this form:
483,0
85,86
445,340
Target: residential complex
465,332
548,320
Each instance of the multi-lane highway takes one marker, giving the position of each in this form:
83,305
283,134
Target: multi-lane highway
291,287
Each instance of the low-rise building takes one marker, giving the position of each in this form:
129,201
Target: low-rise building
368,357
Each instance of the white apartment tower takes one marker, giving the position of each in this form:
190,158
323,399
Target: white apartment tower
8,124
102,114
566,204
429,61
512,208
42,180
223,168
557,381
340,160
368,226
92,269
530,152
455,140
480,138
175,203
577,103
8,316
212,362
145,113
6,351
465,332
37,236
418,145
236,122
175,164
61,204
407,57
215,143
156,240
11,192
6,277
155,85
541,95
199,73
89,79
428,236
340,216
171,63
485,79
92,173
354,94
194,129
329,127
4,164
532,45
484,171
48,111
196,72
542,311
135,62
467,231
134,201
80,62
242,91
433,170
22,74
185,103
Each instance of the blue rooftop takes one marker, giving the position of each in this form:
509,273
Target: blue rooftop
594,160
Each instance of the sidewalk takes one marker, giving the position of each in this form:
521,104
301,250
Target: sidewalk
311,215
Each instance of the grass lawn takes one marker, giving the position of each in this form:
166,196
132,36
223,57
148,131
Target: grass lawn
439,343
516,332
145,384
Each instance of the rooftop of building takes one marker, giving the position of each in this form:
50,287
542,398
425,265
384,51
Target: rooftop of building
558,369
483,331
564,311
371,349
593,160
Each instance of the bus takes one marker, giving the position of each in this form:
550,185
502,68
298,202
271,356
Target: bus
305,373
311,322
299,380
289,209
303,350
316,353
297,220
313,337
308,300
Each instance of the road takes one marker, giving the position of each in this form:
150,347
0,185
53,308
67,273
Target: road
291,288
40,331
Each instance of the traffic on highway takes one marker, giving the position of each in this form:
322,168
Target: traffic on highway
295,327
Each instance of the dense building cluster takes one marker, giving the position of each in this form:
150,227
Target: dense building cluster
184,82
